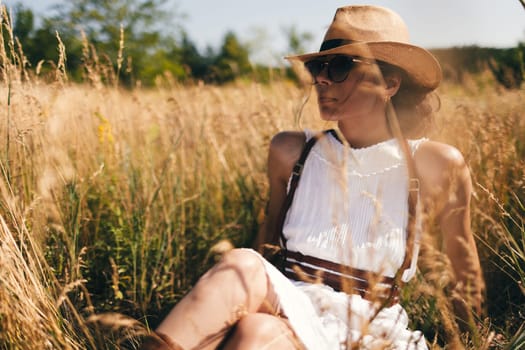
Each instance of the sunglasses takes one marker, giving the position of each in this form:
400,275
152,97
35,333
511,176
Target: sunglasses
337,68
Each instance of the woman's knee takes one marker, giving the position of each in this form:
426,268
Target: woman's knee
260,326
246,264
244,258
258,331
242,270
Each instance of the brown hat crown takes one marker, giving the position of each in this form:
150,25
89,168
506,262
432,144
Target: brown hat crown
367,23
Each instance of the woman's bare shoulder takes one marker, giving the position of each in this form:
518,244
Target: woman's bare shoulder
285,149
288,141
439,156
442,171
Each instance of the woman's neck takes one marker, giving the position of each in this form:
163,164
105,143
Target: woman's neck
365,133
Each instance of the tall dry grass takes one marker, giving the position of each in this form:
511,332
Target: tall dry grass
112,199
124,192
486,123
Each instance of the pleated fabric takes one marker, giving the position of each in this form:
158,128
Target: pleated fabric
350,207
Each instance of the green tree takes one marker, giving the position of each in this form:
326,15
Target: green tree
232,61
39,46
144,23
508,66
197,65
297,41
24,22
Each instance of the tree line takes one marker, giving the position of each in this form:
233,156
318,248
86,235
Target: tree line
507,65
137,41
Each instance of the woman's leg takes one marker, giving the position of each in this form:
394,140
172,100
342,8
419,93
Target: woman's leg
262,331
235,287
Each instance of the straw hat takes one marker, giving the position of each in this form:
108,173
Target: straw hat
378,33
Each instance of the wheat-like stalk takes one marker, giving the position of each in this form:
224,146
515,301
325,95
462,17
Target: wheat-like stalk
114,201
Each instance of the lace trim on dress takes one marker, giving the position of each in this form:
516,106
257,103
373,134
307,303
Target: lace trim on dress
368,161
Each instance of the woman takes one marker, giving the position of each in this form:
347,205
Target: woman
350,226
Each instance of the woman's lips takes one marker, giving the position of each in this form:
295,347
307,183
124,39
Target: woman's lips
326,99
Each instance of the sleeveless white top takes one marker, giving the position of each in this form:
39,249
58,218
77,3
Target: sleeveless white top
351,206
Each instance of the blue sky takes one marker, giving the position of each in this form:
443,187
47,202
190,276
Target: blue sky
432,23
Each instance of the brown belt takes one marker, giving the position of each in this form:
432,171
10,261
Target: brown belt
369,285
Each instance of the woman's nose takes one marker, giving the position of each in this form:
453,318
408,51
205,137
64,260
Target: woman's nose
322,77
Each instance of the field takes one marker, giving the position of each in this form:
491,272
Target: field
113,202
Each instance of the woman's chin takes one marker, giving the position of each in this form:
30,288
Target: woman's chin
329,117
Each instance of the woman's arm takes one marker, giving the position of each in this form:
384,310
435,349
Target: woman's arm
446,191
459,244
285,149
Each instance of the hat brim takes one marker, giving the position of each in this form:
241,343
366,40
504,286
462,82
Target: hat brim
421,66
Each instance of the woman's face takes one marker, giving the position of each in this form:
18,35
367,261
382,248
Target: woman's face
360,94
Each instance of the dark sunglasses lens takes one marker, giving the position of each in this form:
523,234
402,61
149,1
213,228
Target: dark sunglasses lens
314,67
339,68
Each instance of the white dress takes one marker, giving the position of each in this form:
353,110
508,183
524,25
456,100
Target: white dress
350,207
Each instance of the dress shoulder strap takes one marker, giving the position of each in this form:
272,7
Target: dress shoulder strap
294,181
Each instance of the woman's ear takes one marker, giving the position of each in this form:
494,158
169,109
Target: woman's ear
393,82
